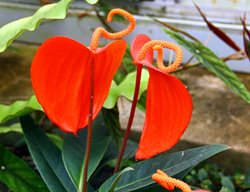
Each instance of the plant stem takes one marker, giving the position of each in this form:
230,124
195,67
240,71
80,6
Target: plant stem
90,123
131,117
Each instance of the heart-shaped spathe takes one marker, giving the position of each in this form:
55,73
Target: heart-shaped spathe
168,107
60,75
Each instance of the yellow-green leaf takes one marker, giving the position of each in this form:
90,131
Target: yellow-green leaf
11,31
18,108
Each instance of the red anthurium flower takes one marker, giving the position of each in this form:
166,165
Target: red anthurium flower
168,103
60,75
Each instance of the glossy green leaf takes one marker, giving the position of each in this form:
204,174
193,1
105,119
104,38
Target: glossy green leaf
13,30
111,187
47,157
18,108
126,88
17,175
110,157
171,163
57,140
111,119
74,151
92,2
213,64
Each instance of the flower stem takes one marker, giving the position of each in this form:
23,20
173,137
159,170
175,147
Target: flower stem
89,135
131,117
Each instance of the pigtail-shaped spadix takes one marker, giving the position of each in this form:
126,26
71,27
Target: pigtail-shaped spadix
159,45
100,31
170,183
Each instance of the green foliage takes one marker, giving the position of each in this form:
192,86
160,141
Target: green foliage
74,151
214,64
17,175
47,157
111,188
12,128
17,128
110,157
126,88
18,108
210,177
227,183
157,188
111,118
13,30
172,164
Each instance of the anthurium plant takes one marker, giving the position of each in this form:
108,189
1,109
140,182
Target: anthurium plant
85,150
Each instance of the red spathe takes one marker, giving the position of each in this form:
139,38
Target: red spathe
168,107
60,75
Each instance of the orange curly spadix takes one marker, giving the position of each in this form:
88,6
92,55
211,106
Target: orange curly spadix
170,183
159,45
100,31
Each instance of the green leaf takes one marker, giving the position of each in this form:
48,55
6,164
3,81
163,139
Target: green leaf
92,2
227,183
126,88
110,157
47,157
17,128
111,187
214,64
17,175
13,30
224,189
74,151
18,108
202,174
155,187
12,128
56,139
111,118
171,163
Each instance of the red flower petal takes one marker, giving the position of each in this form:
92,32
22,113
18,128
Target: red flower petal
168,112
136,46
60,78
107,61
